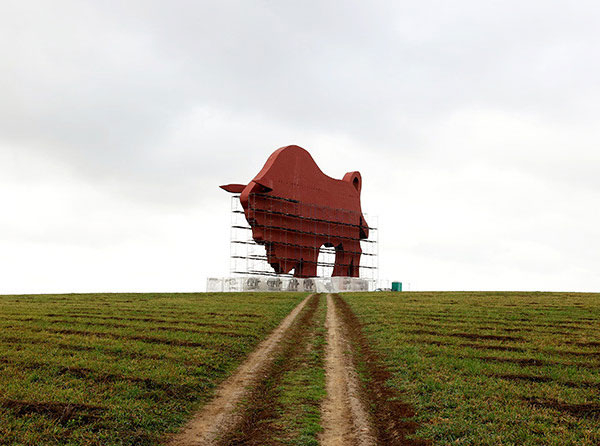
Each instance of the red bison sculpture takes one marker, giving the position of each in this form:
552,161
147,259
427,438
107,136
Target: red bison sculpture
293,209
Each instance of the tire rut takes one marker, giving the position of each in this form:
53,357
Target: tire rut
345,419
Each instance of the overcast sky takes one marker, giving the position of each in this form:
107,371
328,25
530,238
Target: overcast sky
475,125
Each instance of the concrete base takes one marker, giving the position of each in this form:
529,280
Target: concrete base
285,283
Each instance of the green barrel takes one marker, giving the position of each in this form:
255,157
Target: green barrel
396,286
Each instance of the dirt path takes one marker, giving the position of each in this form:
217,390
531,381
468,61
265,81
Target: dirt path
345,420
219,417
245,409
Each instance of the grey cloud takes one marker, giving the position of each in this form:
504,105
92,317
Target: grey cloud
116,74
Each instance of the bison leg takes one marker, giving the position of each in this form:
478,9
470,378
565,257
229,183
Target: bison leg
347,260
340,268
354,263
306,268
309,262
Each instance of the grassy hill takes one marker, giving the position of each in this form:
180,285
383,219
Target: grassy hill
469,368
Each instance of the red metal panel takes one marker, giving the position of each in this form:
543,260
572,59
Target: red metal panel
293,209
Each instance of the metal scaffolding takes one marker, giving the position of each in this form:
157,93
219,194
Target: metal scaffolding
297,228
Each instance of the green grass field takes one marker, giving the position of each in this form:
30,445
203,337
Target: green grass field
491,368
127,369
120,369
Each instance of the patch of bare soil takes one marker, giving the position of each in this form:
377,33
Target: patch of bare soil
543,363
585,410
105,351
502,348
593,355
151,385
521,361
468,344
523,377
143,338
121,318
61,412
177,327
250,315
473,336
581,384
220,416
392,419
588,344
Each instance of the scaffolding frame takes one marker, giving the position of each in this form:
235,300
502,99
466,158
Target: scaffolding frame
291,224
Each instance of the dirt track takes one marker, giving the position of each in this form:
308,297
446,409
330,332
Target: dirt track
241,413
345,420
